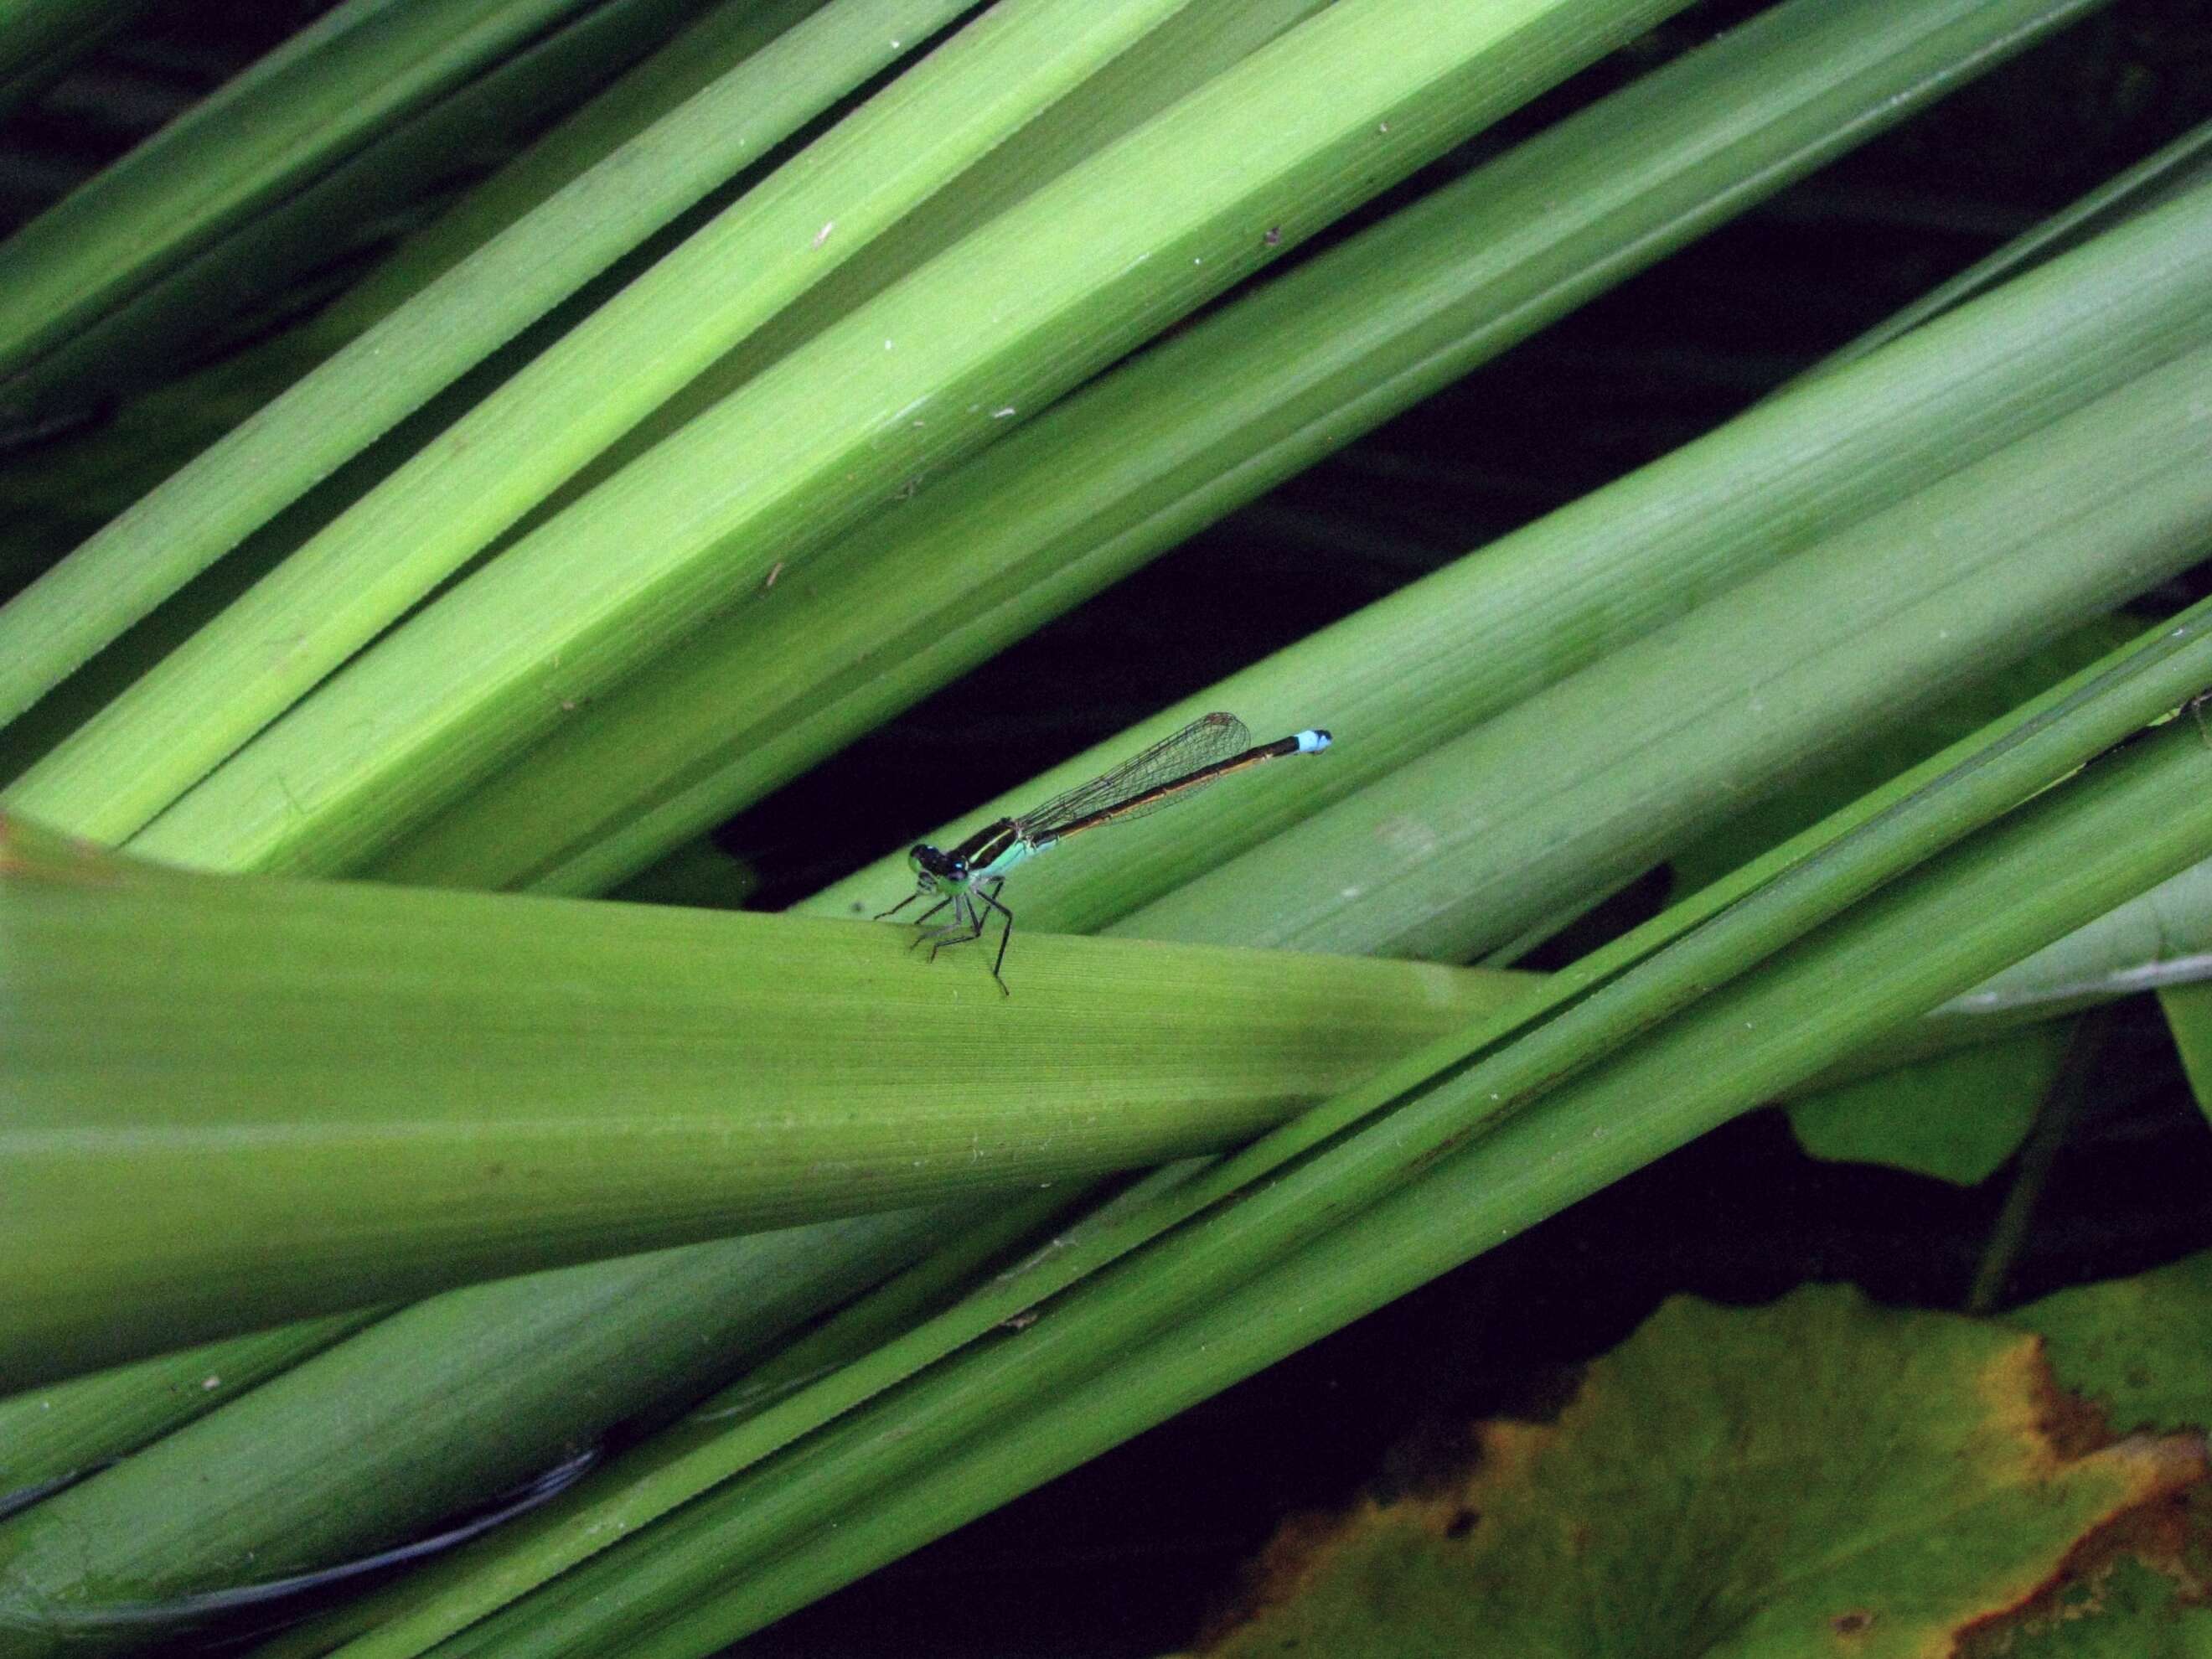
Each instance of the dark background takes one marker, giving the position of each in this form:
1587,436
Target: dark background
1124,1557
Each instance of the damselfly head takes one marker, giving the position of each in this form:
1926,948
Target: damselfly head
930,866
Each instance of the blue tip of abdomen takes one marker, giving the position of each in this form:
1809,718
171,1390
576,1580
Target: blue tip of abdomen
1312,743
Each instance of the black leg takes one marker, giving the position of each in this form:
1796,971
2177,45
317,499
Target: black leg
1005,939
936,936
963,909
922,933
900,906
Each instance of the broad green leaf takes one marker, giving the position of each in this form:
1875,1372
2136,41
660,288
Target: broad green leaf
2189,1015
1817,1476
2135,1347
1957,1116
2121,1609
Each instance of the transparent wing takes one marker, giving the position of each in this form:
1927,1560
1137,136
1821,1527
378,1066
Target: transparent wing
1208,738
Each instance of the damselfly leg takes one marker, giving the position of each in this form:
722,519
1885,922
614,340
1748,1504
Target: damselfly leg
927,933
966,924
1006,937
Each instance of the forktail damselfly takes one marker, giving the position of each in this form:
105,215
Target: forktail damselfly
969,876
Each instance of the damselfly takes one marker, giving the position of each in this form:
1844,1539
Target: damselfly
969,876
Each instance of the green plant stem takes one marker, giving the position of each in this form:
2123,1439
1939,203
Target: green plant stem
2057,1115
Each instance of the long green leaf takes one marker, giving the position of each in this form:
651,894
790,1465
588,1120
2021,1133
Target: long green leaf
208,171
1481,636
390,548
190,309
75,483
68,1429
868,1320
1498,829
395,367
693,63
1249,1281
1182,54
433,1409
2159,938
1074,276
235,1101
1129,465
1759,909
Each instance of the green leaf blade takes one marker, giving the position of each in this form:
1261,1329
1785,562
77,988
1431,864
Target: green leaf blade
224,1087
1069,278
